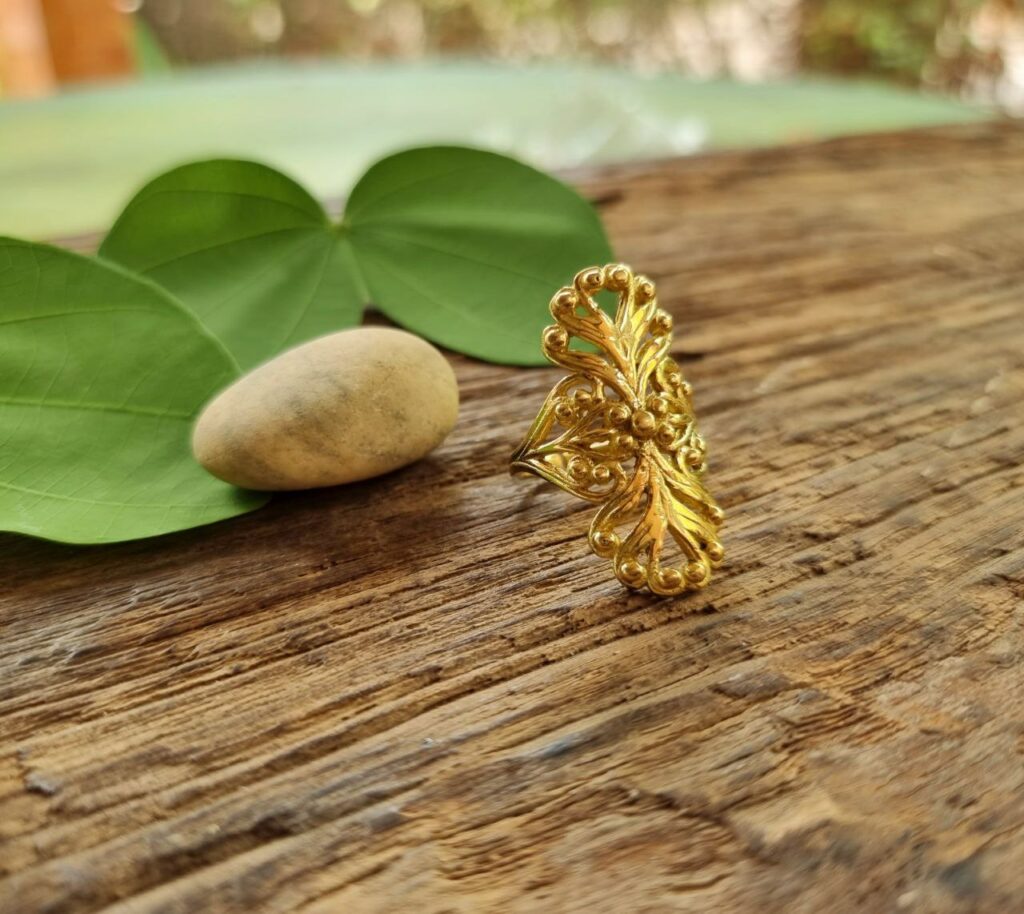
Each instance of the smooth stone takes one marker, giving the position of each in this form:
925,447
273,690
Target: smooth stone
340,408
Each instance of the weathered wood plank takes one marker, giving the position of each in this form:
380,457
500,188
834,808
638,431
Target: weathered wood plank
422,692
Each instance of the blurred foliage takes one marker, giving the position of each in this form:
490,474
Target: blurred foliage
912,41
957,46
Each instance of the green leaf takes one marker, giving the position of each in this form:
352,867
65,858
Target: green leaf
462,246
466,247
101,375
244,247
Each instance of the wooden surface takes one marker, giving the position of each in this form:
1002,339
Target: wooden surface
423,694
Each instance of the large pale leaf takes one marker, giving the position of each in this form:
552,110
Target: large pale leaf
322,122
462,246
101,375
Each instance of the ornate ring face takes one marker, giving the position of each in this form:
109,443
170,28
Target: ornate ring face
620,431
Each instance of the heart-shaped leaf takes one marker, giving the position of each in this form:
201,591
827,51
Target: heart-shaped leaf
101,376
244,247
462,246
467,247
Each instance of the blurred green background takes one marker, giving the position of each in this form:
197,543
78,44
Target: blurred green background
322,87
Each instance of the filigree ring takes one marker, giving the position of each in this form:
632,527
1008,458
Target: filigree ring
620,431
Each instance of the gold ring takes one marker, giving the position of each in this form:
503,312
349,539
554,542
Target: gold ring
620,431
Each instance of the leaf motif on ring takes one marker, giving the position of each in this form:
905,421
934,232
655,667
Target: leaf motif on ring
620,430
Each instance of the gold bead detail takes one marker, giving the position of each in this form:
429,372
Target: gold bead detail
643,424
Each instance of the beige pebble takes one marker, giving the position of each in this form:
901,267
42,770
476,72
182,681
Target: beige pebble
341,408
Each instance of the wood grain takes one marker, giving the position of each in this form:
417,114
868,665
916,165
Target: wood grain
423,694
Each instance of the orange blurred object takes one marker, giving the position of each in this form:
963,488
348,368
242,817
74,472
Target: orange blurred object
25,67
44,43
